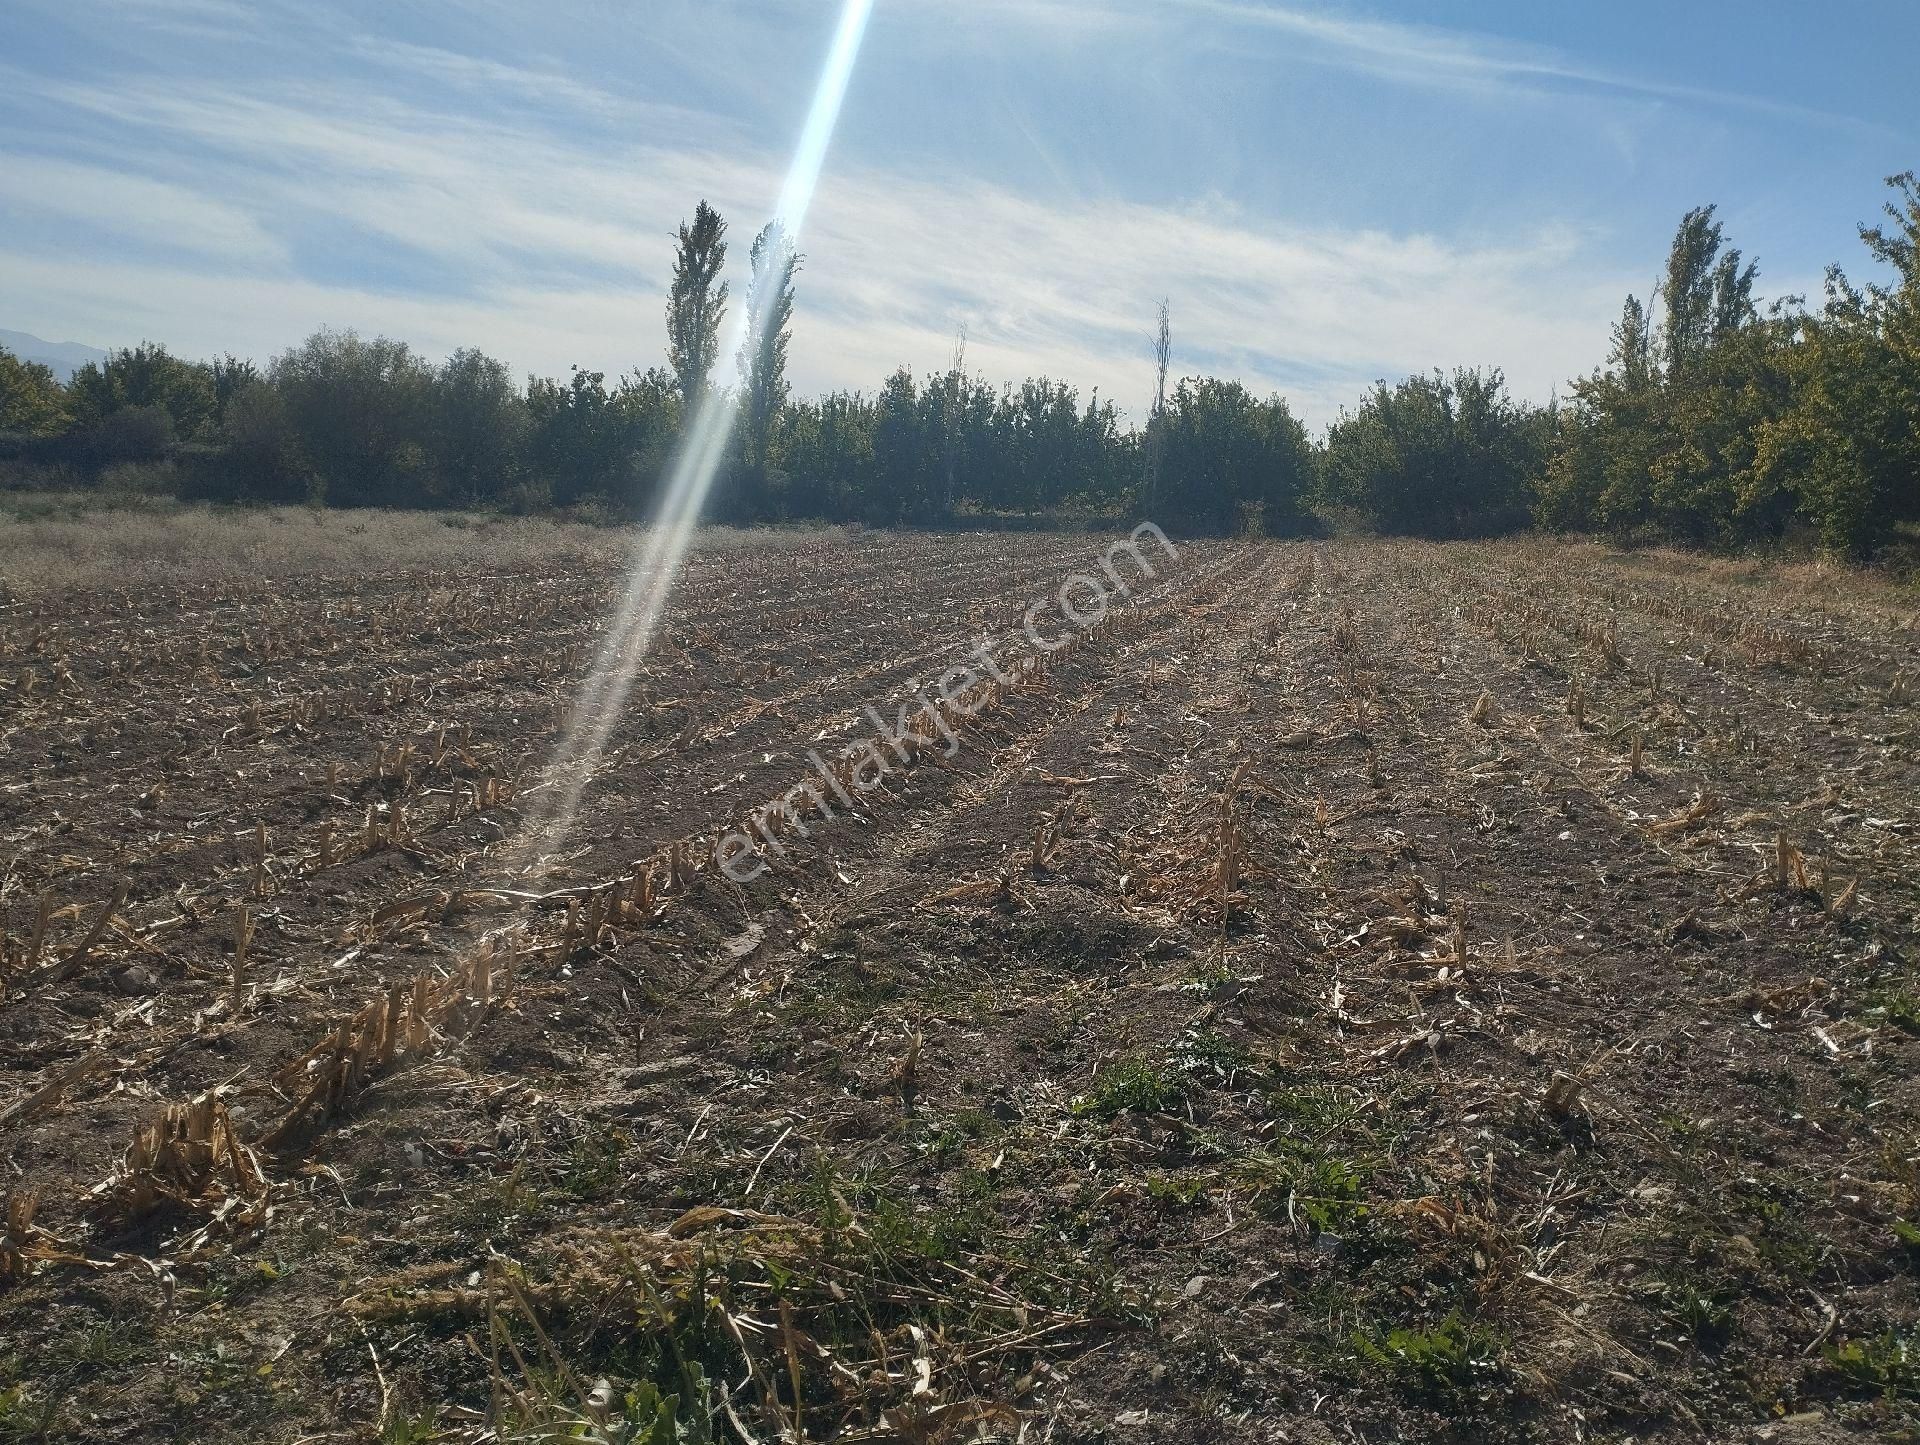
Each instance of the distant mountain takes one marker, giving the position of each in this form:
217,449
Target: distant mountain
64,357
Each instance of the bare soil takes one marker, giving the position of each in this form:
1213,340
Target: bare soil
1356,991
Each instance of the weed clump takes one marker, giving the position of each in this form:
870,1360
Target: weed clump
1133,1085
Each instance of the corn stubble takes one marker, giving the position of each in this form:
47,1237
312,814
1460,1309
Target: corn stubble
1242,833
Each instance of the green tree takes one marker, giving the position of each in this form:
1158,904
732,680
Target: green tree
1690,288
1438,456
31,398
763,360
477,426
1848,447
1672,451
585,441
696,303
262,455
826,449
576,444
1225,452
904,455
361,414
230,375
147,376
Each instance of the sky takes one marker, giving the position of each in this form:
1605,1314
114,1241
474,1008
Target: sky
1325,193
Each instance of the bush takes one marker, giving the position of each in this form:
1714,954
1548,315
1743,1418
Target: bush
132,483
132,434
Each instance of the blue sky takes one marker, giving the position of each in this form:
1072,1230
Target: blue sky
1326,192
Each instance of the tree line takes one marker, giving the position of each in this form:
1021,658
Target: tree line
1712,422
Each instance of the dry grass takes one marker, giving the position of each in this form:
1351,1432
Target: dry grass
57,542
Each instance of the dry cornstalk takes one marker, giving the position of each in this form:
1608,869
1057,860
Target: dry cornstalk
906,1069
1789,865
191,1154
41,914
405,1022
23,1244
1703,807
69,965
17,1235
58,1082
1563,1096
242,937
1577,702
1226,875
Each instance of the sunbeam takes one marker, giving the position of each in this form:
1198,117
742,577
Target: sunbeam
662,550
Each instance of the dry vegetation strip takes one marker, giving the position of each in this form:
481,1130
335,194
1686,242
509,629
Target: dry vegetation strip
1383,988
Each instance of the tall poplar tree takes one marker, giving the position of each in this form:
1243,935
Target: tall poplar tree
696,303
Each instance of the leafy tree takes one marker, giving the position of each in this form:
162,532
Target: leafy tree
1438,456
1847,448
649,406
1224,451
903,460
361,415
1648,451
1042,465
577,444
584,441
696,303
31,398
1690,288
146,376
1632,354
263,455
230,376
477,425
763,360
826,449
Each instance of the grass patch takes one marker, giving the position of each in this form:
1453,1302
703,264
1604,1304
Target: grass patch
1204,1054
1897,1006
866,1304
590,1169
1132,1085
1451,1357
1304,1186
1886,1364
1702,1310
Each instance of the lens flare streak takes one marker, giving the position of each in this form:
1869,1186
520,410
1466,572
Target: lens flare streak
661,552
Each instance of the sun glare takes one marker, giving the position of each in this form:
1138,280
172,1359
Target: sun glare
661,550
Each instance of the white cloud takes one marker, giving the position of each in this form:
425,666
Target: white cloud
551,248
1410,53
136,209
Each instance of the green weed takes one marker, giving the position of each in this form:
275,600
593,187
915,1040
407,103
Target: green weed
1132,1085
1886,1364
1445,1358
